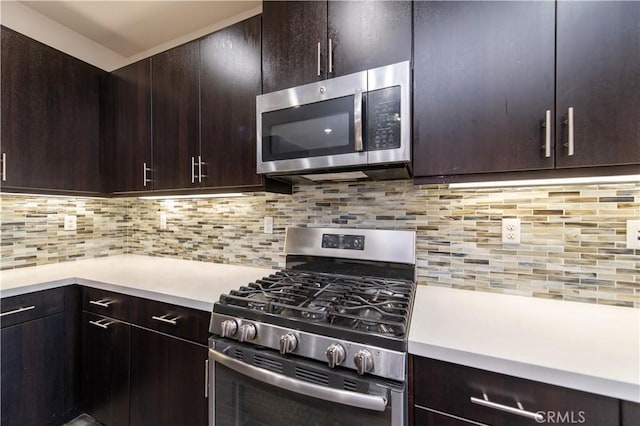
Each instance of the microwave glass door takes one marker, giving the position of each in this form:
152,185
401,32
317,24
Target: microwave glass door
313,130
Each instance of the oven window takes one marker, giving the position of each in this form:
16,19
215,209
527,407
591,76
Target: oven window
244,401
313,130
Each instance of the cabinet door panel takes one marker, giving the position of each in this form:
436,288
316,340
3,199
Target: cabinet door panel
368,34
230,81
598,74
167,380
131,144
50,117
290,35
105,369
483,79
175,100
33,372
447,388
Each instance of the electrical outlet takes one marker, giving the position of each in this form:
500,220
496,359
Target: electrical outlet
511,231
163,221
633,234
268,225
70,222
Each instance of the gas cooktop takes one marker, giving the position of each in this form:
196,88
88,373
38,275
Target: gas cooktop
366,304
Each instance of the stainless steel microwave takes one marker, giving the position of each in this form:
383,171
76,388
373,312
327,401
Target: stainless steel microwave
357,125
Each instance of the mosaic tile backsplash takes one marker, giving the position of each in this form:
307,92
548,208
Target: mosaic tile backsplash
573,237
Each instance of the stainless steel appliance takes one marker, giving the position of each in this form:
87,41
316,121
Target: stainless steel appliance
322,341
358,125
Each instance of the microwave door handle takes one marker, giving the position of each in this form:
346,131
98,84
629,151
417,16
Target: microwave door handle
357,120
353,399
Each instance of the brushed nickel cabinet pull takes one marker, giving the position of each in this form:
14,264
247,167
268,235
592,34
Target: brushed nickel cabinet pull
319,69
547,134
571,134
519,411
145,169
103,323
17,311
193,169
103,303
163,318
4,166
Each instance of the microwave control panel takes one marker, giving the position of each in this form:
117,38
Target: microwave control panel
383,119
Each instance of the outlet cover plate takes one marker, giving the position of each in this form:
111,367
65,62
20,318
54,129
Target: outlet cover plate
268,225
633,234
511,231
70,222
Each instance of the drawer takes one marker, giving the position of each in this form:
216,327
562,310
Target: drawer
424,417
630,413
107,303
461,391
178,321
29,306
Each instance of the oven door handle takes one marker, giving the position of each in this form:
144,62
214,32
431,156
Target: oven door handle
354,399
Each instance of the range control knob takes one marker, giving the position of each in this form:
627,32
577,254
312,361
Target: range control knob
229,328
335,355
247,332
288,343
363,361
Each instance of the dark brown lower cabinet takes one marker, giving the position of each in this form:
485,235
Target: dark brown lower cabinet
33,372
105,369
167,380
444,393
630,413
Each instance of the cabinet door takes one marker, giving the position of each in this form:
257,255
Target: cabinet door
368,34
598,75
167,380
33,372
483,81
50,117
230,81
630,412
105,369
175,100
291,31
131,144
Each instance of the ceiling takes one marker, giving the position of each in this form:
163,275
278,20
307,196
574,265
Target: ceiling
131,27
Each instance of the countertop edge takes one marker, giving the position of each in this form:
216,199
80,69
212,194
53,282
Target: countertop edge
567,379
130,291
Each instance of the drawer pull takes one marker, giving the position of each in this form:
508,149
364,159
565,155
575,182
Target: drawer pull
102,324
172,321
103,303
507,409
17,311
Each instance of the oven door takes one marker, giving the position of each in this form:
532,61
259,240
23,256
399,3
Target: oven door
315,126
252,386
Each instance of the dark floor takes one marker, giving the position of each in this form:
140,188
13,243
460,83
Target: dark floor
83,420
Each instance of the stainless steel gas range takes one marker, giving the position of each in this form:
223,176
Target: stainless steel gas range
322,342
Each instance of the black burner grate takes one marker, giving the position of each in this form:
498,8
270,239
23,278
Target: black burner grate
367,304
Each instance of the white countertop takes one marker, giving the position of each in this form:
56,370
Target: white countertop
593,348
181,282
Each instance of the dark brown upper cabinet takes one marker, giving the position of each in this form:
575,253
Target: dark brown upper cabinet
303,42
598,76
229,83
50,119
492,92
176,118
130,148
483,82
